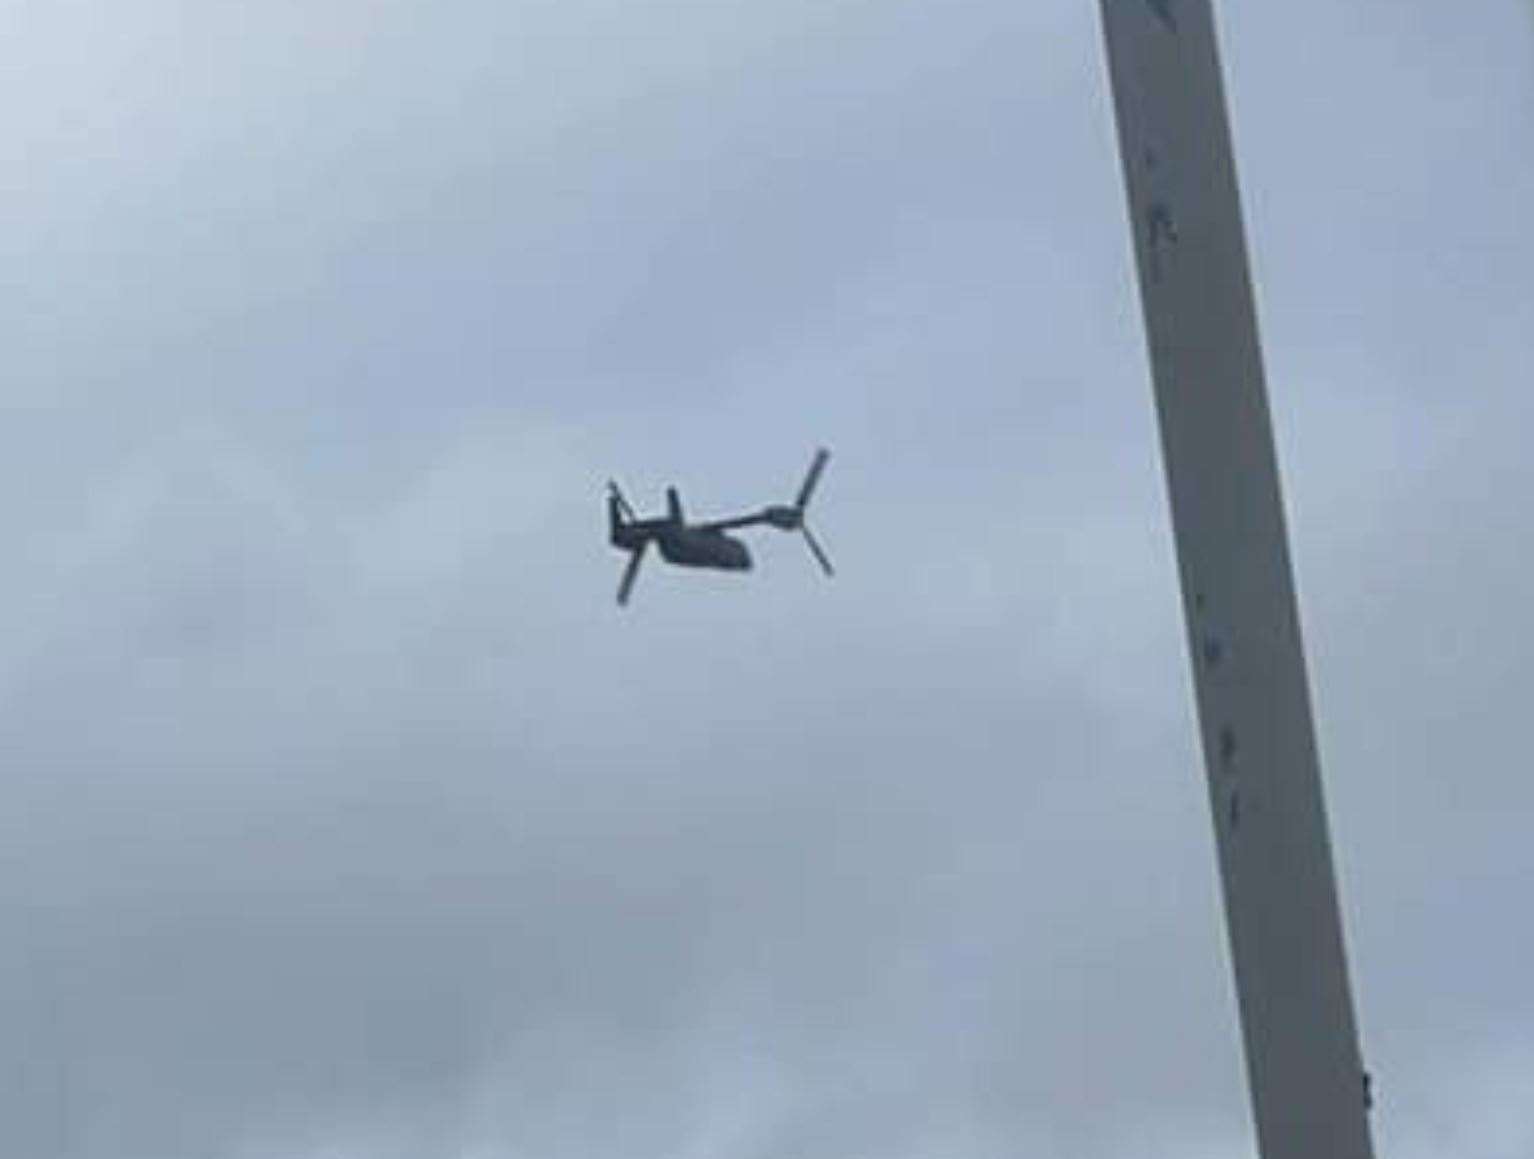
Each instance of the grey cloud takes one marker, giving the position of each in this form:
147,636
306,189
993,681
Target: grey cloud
346,817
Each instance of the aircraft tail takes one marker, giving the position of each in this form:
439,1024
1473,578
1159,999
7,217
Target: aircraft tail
673,505
619,513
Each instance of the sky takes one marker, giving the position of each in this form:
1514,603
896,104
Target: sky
346,817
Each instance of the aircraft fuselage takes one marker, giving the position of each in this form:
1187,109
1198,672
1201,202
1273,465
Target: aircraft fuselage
684,546
690,547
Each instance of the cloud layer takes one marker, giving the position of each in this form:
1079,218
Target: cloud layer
347,818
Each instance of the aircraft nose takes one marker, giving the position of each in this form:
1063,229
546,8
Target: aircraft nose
743,558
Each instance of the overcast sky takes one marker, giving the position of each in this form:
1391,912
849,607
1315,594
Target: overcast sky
346,817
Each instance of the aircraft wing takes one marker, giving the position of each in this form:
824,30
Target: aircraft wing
731,523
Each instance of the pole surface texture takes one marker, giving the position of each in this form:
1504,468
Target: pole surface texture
1285,933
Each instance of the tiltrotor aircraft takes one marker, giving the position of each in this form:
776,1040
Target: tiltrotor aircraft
704,544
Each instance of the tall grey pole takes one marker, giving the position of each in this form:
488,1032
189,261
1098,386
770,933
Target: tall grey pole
1308,1089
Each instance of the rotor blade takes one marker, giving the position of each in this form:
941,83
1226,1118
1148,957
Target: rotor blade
816,548
612,489
630,573
816,467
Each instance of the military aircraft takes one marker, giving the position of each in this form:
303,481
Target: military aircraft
704,544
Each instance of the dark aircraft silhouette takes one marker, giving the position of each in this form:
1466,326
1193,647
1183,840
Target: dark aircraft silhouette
704,544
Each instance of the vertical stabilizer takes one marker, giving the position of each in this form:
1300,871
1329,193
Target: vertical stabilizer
614,518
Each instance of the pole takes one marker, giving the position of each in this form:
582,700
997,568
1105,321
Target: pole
1308,1088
